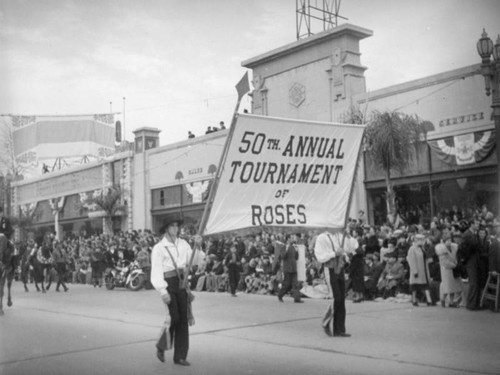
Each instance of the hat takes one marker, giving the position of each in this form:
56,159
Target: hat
419,236
495,223
397,233
169,220
392,254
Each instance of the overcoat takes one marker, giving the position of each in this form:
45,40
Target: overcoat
448,261
416,261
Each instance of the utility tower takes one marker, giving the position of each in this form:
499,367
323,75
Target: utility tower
323,15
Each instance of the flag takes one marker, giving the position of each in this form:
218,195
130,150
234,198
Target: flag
243,86
283,173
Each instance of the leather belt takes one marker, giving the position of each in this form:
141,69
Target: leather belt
173,273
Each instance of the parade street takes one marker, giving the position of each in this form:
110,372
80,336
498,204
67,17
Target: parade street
95,331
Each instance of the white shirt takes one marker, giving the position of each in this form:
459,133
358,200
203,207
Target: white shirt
323,242
161,261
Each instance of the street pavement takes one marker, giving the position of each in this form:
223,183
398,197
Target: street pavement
91,330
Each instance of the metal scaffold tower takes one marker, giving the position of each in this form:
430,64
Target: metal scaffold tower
307,14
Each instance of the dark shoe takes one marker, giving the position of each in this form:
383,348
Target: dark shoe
299,301
57,290
415,303
160,354
182,362
66,289
343,334
280,298
443,303
327,330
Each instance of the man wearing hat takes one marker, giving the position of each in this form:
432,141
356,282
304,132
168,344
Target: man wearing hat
338,245
289,255
468,254
170,259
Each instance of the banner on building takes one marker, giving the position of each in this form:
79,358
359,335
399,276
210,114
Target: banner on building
38,140
283,173
464,149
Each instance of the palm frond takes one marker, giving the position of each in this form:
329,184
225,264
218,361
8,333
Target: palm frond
108,200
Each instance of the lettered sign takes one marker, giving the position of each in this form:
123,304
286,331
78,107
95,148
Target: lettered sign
285,173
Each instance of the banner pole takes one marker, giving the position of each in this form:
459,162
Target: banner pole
211,195
222,160
349,201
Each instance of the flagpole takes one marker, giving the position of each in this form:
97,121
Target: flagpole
242,88
349,200
211,194
222,160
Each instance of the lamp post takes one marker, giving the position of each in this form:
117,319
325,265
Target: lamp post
490,69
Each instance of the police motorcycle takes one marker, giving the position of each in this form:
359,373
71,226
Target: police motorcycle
125,275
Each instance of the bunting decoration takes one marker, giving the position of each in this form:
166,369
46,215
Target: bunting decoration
464,149
38,140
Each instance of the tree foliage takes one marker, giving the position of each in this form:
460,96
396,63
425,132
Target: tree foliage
108,200
390,139
389,142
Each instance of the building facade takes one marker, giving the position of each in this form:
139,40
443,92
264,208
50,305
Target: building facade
319,79
456,164
60,201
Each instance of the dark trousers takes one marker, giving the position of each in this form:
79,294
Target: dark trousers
472,301
234,277
482,269
290,282
179,327
61,274
337,282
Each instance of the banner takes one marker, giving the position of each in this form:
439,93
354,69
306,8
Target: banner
284,173
45,139
464,149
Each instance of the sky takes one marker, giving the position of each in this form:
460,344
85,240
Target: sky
177,62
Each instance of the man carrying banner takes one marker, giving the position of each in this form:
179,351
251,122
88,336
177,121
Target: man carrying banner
170,260
331,249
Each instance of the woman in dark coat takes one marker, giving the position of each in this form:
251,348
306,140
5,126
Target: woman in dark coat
357,274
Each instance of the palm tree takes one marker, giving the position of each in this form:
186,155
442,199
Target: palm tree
25,219
390,139
108,200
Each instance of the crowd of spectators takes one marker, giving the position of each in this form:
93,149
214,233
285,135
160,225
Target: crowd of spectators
379,269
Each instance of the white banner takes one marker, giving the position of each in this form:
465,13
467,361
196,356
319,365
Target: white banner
284,173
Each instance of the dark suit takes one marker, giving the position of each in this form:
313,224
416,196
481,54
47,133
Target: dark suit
289,256
469,253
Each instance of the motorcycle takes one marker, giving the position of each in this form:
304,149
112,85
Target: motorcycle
130,276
